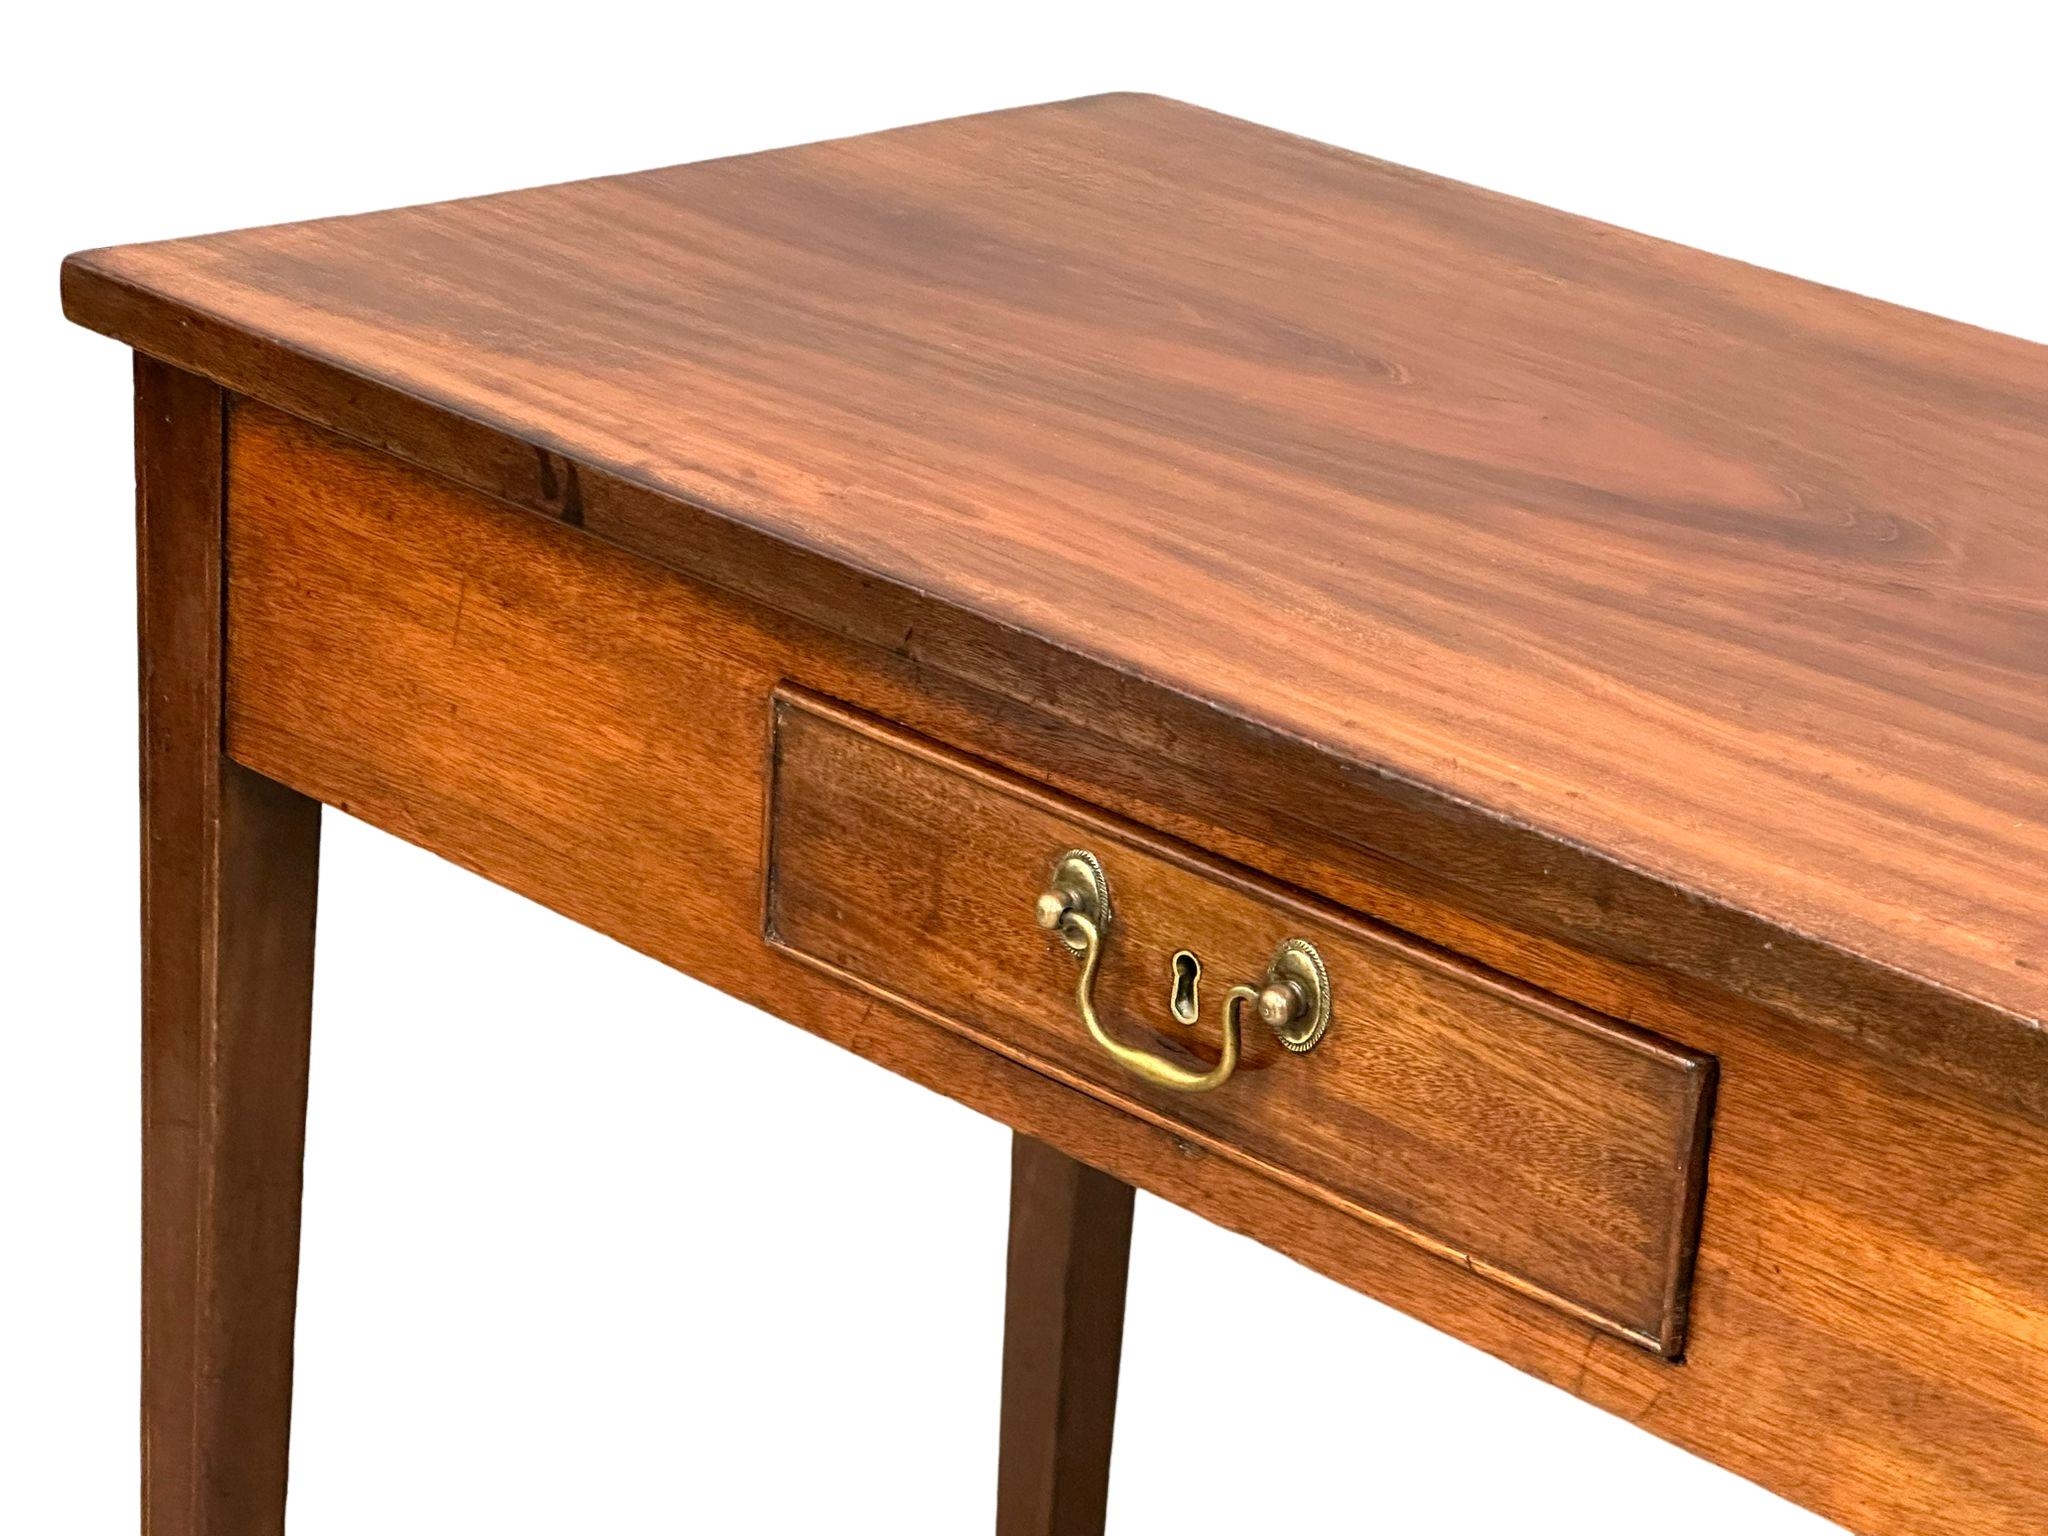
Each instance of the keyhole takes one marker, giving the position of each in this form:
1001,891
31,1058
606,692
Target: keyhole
1186,1001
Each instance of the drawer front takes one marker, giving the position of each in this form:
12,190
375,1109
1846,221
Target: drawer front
1555,1150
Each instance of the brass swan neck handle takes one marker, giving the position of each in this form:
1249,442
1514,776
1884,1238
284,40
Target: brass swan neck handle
1293,1001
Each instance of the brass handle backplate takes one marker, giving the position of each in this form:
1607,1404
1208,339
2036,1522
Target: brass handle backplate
1293,1000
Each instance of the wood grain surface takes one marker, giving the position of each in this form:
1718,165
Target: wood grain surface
1505,1130
592,730
1690,611
229,868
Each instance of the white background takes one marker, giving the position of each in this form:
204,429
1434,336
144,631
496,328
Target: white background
587,1247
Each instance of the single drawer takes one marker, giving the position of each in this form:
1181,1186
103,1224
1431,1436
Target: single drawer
1557,1151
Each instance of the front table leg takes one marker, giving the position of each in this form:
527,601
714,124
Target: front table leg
1063,1332
228,871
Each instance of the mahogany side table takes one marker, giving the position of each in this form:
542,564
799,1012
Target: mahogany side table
1501,757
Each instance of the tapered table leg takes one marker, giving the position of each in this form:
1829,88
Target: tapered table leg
1070,1248
229,864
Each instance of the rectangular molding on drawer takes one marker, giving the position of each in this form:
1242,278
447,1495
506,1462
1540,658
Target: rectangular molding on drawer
1557,1151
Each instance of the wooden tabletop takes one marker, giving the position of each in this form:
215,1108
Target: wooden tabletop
1737,582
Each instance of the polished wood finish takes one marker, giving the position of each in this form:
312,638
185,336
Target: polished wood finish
592,730
1063,1334
1526,1140
1680,612
228,874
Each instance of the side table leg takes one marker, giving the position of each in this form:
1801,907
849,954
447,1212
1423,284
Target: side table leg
1070,1248
229,863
